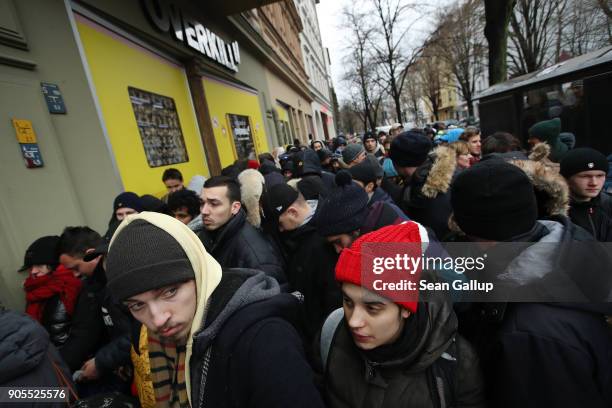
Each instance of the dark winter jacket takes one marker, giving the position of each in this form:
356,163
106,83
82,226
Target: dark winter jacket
87,333
410,379
381,195
56,321
595,216
566,358
248,352
393,189
109,323
117,321
427,200
307,164
27,356
239,245
565,348
311,271
381,214
271,173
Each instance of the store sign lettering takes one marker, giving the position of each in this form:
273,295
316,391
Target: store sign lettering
167,16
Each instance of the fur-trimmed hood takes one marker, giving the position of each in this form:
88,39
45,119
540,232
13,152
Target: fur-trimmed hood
251,187
551,188
438,171
541,153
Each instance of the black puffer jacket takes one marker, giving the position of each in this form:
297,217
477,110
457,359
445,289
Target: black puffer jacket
239,245
406,380
27,356
56,320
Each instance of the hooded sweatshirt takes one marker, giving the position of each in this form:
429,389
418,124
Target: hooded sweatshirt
207,271
242,327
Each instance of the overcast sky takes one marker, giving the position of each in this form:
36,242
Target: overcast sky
334,36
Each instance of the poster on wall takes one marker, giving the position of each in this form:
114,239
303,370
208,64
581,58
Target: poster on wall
159,127
243,138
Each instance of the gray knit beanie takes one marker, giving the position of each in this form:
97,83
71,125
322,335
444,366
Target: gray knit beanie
145,257
351,152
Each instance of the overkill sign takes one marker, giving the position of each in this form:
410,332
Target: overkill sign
167,16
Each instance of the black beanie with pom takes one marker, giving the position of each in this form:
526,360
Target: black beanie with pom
344,210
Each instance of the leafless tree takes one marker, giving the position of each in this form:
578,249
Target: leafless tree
348,118
391,57
531,35
431,80
559,23
586,27
460,41
361,76
413,93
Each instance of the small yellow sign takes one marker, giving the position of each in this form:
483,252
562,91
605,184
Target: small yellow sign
24,130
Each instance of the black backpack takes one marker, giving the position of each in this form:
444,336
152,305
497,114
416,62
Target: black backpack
441,375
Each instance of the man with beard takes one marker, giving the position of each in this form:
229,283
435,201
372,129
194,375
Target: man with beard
227,235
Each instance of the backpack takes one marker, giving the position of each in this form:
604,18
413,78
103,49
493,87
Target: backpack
441,375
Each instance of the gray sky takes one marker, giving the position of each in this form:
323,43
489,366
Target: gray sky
335,38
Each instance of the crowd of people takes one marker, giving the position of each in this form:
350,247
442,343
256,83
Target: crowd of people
247,289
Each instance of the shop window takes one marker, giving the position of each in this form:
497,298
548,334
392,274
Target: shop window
159,127
243,137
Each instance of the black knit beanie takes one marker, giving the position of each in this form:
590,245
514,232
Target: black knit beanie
494,200
144,257
344,210
409,149
583,159
129,200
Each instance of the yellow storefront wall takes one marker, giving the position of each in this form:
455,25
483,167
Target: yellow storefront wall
225,99
117,64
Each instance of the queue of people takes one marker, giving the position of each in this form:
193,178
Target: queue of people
248,288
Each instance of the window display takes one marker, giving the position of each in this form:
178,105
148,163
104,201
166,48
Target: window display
243,138
159,127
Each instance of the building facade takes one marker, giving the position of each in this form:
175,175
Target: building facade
316,63
101,97
279,26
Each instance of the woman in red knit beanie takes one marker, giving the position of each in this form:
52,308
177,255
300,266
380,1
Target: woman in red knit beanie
387,349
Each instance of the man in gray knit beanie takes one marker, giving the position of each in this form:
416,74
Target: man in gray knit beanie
196,316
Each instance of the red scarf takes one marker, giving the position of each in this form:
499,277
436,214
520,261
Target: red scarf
60,282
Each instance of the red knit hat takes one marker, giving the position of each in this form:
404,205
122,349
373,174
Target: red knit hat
355,263
253,164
